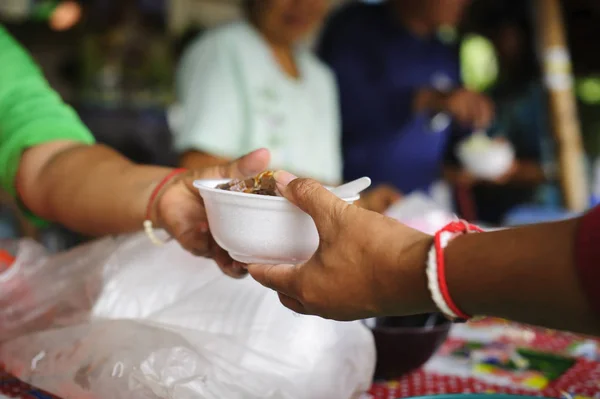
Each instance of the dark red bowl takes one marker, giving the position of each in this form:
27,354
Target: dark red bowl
404,343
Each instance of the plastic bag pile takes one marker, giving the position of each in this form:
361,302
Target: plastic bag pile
118,318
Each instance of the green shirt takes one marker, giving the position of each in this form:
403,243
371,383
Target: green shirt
31,113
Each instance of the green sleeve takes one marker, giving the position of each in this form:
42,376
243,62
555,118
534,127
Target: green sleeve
31,113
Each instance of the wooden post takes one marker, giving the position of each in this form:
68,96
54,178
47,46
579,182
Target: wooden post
556,65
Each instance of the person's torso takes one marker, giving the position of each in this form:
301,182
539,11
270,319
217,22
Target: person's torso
296,119
408,153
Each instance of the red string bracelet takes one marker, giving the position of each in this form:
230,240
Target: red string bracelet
148,222
436,270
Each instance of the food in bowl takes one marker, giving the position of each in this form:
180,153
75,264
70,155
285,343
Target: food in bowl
258,228
261,184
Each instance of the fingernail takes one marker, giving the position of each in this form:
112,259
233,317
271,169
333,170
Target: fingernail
283,178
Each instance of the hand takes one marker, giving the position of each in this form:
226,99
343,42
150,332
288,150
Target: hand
379,199
180,210
366,264
470,109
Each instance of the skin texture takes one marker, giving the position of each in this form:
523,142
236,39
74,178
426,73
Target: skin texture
284,23
96,191
368,265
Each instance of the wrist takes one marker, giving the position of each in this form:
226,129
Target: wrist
159,195
405,275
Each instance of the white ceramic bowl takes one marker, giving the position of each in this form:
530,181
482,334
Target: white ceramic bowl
257,228
487,160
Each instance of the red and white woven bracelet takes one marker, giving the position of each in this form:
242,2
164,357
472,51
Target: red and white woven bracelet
148,227
436,270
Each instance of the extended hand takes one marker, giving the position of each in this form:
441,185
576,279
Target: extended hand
180,209
366,263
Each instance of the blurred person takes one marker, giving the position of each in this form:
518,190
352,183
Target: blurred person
521,116
400,87
369,265
51,165
252,84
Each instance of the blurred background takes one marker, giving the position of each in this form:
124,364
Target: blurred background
115,62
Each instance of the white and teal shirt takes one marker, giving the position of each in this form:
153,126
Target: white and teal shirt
233,97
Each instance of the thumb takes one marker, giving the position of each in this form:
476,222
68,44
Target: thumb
249,165
281,278
312,198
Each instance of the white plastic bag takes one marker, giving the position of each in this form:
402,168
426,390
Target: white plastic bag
146,322
421,212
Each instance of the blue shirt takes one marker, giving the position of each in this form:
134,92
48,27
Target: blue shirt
379,66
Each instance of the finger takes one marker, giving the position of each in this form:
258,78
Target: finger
292,304
248,165
311,197
281,278
392,195
195,241
227,265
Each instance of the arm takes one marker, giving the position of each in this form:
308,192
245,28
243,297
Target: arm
368,265
94,190
89,189
526,274
46,152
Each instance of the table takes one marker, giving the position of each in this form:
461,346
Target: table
581,381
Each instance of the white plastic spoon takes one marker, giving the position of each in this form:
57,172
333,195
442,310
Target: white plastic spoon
352,188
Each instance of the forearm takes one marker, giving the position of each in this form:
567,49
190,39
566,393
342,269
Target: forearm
525,274
89,189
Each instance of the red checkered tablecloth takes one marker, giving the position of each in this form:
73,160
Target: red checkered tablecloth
581,380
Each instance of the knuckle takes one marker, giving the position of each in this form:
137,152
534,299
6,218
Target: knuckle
308,297
267,276
304,188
